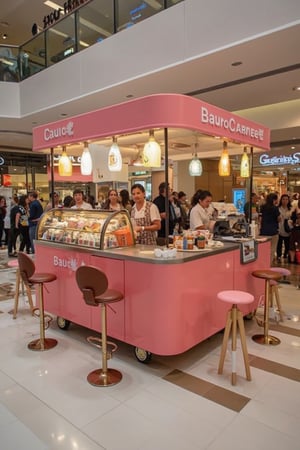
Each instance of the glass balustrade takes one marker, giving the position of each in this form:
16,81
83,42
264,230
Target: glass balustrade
89,24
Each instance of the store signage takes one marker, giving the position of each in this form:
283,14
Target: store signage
2,162
55,15
54,133
231,124
267,160
68,263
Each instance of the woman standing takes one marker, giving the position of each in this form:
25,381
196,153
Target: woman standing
2,217
112,202
22,223
125,200
145,217
269,219
201,212
283,236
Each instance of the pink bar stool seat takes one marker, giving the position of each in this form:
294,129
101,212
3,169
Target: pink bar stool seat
233,322
14,264
284,272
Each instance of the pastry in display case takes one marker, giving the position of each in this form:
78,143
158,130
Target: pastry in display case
88,228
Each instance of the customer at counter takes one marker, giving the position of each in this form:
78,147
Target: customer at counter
79,201
145,217
201,212
160,202
112,202
269,221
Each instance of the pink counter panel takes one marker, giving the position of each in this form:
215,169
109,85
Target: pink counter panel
168,308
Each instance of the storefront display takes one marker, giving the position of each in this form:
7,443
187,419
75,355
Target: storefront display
86,228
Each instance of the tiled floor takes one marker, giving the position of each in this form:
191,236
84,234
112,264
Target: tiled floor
177,402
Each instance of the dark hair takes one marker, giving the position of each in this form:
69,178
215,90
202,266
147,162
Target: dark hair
289,206
138,186
107,201
181,194
78,191
22,200
162,187
125,200
68,201
34,194
270,201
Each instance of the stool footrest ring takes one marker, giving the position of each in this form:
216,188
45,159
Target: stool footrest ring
47,318
97,342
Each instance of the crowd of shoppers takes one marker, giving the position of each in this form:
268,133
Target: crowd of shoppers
277,218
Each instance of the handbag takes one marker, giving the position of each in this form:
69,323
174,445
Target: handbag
286,226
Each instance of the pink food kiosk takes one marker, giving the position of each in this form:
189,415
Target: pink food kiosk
169,304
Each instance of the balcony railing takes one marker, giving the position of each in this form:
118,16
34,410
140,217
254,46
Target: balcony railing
71,32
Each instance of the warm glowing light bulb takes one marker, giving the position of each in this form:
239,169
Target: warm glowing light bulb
245,166
114,157
152,152
86,164
224,163
64,164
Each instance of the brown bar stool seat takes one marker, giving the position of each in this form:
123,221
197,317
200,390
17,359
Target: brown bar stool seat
30,278
234,321
15,265
274,291
93,284
268,275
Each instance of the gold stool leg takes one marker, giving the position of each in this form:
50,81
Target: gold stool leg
225,342
104,376
42,343
233,344
265,338
278,303
243,343
17,293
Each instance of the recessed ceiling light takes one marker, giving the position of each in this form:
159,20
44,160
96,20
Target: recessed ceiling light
63,114
4,24
236,63
129,96
296,88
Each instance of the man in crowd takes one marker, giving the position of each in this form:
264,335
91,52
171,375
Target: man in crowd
35,212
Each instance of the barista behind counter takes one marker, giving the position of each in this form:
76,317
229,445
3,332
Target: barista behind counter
202,214
145,217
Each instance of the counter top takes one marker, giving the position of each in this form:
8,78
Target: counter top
145,253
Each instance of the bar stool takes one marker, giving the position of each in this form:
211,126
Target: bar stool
30,277
267,275
93,284
235,320
274,292
15,265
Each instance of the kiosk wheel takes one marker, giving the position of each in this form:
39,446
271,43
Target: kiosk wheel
63,323
143,356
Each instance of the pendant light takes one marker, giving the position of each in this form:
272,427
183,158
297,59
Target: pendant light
64,164
86,165
114,157
245,166
224,163
152,152
195,166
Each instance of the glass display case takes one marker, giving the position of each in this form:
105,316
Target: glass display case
99,229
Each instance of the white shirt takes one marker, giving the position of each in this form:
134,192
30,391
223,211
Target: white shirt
140,214
199,216
84,205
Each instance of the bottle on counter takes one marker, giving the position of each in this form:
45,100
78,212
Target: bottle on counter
253,229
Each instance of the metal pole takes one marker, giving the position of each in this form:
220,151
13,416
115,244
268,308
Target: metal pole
167,186
52,175
251,184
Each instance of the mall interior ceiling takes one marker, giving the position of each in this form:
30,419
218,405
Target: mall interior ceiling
258,79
